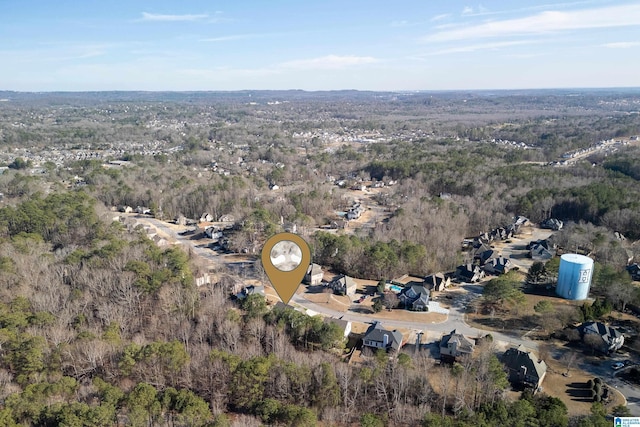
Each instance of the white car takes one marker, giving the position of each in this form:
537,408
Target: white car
617,366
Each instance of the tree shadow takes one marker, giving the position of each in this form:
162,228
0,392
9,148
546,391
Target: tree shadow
518,256
361,310
579,392
316,289
370,290
541,290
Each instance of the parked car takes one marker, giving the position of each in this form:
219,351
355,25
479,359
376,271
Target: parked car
617,366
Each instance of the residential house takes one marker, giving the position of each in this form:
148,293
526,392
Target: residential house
143,210
160,241
227,218
355,212
525,369
502,233
480,246
213,232
206,217
290,227
541,250
343,285
250,290
609,340
469,273
338,225
125,209
344,325
552,224
378,337
437,282
314,275
485,256
282,306
498,265
202,279
414,297
454,345
634,271
619,236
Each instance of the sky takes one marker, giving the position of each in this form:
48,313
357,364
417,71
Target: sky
400,45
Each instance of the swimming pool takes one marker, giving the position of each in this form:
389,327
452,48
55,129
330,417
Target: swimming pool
395,288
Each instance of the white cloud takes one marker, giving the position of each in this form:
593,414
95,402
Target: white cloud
172,18
546,22
468,10
329,62
440,17
620,45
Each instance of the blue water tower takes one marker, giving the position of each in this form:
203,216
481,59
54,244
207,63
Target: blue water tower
574,276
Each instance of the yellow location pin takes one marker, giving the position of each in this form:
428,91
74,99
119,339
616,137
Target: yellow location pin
285,259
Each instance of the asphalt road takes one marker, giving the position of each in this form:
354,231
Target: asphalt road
628,390
455,320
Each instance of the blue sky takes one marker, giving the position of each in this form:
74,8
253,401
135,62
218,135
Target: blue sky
317,45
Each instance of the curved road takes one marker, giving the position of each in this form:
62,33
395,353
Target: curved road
455,320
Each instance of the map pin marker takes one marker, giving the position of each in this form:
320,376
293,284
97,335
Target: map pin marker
285,259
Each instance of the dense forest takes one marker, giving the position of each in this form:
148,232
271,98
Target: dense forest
100,326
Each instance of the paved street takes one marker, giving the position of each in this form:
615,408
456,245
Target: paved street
455,320
432,331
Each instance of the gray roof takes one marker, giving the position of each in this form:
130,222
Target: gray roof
464,345
515,358
607,333
467,271
250,290
421,295
417,289
282,306
376,333
344,280
340,322
435,279
486,256
540,251
500,264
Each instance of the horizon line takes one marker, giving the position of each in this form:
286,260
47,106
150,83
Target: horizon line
594,88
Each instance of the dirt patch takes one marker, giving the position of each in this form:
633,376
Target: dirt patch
522,317
359,327
330,300
573,389
270,295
